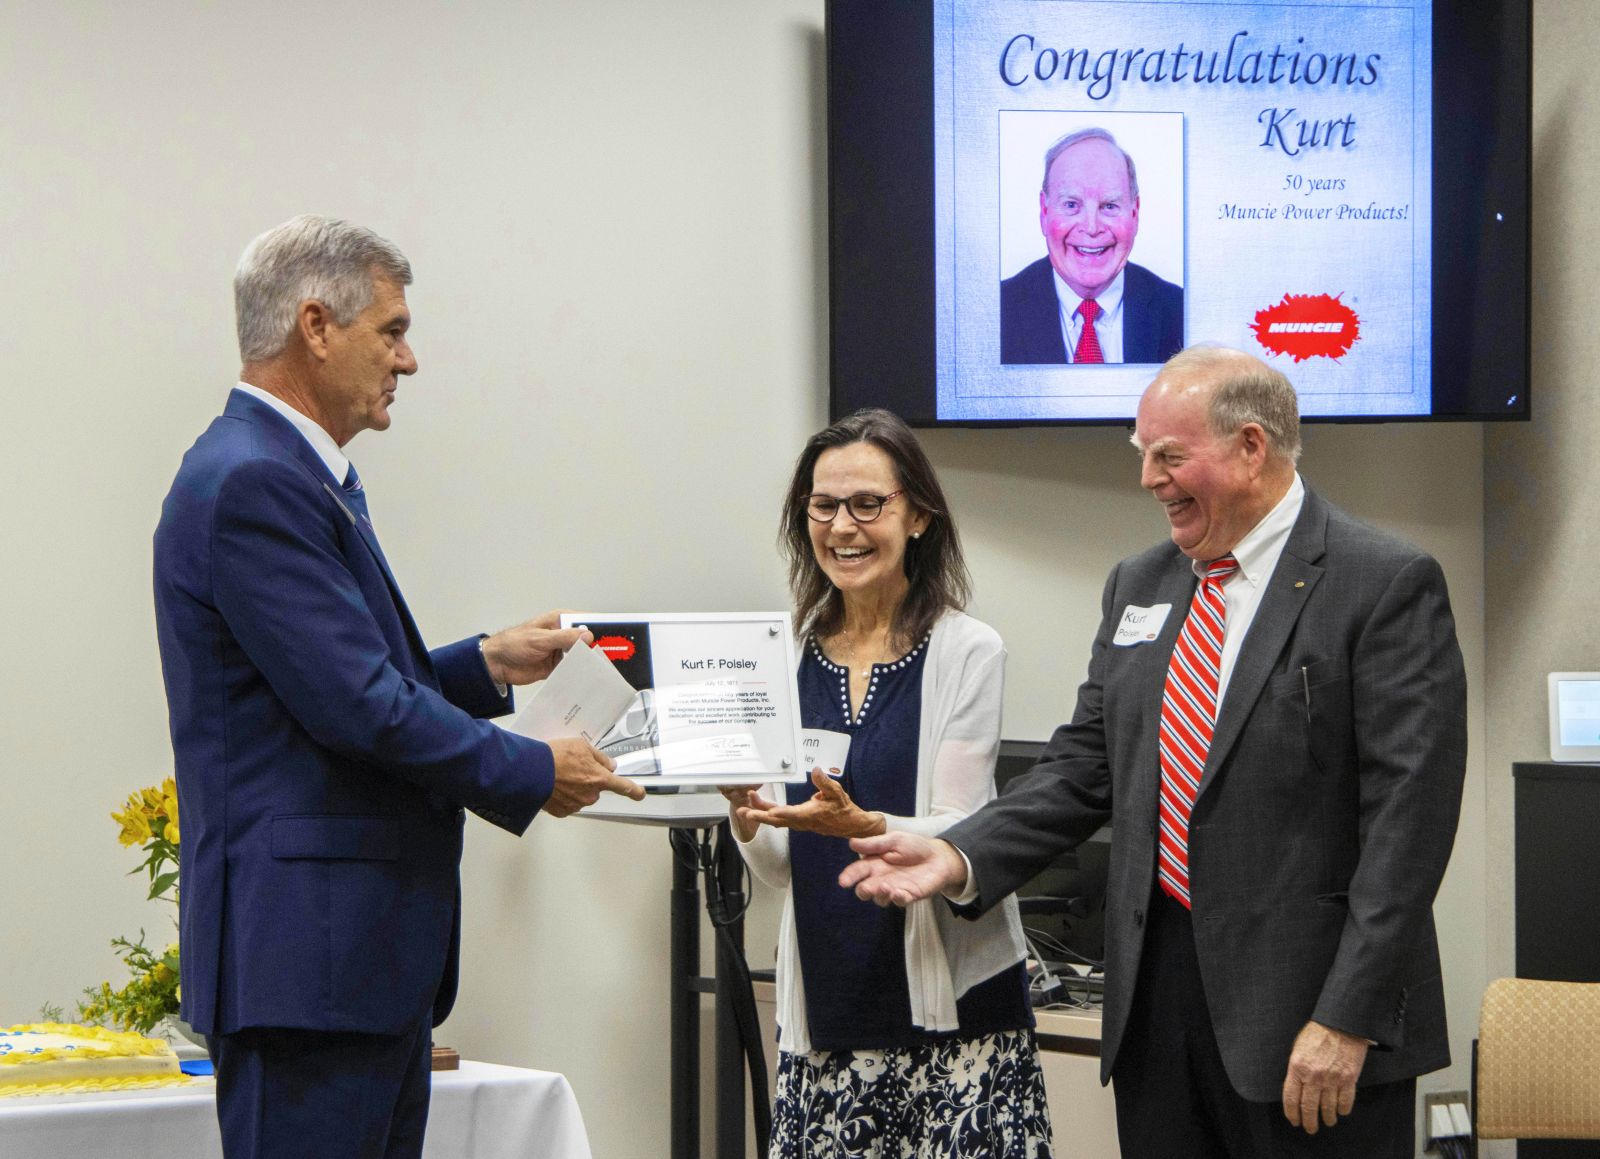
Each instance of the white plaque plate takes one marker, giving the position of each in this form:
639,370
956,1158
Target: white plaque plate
715,703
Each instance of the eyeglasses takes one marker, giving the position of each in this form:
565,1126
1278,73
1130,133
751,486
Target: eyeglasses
864,507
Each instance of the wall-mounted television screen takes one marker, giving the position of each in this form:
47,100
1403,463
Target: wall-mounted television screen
1033,203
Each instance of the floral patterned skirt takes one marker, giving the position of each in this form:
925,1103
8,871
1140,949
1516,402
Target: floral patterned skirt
967,1097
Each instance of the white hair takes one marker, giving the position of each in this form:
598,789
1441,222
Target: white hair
1081,135
308,257
1245,390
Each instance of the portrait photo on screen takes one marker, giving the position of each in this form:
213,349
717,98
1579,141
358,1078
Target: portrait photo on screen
1091,238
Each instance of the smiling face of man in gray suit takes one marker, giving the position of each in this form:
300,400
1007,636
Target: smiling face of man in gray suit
1214,486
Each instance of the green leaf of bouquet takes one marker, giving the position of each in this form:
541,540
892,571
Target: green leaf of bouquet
161,884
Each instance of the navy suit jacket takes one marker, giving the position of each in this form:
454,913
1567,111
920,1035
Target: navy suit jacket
1030,317
323,754
1325,814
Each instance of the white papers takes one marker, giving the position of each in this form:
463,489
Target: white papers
584,696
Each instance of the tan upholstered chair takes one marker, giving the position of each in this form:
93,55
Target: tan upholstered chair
1538,1074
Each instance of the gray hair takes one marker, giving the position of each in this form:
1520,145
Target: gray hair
1081,135
322,258
1246,390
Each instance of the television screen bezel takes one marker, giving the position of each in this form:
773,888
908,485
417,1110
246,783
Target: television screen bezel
881,303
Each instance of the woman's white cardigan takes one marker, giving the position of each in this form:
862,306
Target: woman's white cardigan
963,685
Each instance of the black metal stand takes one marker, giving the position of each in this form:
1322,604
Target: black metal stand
701,842
730,971
684,1002
693,849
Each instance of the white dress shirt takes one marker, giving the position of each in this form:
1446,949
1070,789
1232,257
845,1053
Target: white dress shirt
1107,327
1258,553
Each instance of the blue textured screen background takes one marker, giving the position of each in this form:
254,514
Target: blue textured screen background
1198,147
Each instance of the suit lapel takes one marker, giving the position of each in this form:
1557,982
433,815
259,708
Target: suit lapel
1138,333
1288,589
291,444
1147,683
1176,588
369,538
1052,344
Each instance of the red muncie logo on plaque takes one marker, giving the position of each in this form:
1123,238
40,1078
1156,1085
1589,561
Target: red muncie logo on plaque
616,647
1307,326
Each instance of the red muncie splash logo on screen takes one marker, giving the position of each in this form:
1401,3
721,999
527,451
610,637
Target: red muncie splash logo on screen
616,647
1307,326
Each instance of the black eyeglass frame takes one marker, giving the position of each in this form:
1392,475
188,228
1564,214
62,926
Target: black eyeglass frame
848,501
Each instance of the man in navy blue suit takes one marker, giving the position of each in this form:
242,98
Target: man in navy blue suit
324,755
1085,302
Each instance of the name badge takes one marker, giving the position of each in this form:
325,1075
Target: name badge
824,749
1140,625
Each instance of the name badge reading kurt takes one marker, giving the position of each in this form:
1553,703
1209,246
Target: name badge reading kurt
1140,625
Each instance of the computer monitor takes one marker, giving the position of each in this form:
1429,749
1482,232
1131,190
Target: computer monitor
1071,929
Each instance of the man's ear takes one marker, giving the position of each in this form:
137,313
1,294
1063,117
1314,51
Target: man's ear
1253,440
313,320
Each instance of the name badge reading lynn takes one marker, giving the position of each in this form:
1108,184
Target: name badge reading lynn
1140,625
824,749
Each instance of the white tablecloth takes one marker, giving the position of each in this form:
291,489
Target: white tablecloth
481,1111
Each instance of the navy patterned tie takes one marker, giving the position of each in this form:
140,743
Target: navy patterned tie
355,494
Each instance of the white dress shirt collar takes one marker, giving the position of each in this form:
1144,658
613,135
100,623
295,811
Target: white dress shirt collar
1259,550
1107,327
321,441
1258,554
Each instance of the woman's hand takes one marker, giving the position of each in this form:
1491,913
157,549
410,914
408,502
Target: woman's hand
743,799
830,812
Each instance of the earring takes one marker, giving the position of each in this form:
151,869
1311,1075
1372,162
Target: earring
916,535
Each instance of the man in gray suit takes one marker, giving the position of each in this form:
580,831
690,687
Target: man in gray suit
1270,945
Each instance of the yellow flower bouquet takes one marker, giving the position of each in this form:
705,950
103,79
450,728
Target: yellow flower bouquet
150,820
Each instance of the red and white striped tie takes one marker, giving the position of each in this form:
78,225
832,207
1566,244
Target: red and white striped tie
1188,718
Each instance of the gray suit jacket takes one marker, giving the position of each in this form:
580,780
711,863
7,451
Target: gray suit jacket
1324,819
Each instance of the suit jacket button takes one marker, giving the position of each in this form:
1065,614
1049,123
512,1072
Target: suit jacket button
1138,917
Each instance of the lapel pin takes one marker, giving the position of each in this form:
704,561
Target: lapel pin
348,514
1299,583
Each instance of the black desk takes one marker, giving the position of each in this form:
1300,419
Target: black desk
1558,880
1558,871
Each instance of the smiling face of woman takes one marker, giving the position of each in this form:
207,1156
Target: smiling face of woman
863,560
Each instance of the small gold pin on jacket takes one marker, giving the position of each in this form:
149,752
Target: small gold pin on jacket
1299,583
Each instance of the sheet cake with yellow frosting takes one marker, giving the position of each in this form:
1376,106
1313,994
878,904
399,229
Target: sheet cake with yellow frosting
52,1058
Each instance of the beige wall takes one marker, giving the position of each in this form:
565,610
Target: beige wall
616,212
1541,513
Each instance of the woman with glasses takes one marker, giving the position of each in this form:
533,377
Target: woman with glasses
901,1032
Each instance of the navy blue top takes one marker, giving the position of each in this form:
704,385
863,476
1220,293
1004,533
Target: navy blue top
852,952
